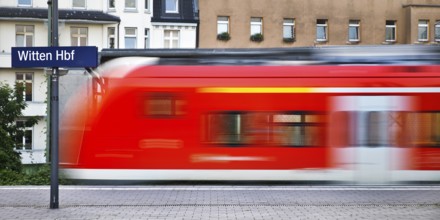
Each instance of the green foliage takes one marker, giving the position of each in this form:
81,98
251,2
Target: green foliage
40,177
10,177
257,37
289,40
12,104
224,36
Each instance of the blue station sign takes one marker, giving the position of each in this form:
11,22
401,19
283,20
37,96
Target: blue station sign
55,56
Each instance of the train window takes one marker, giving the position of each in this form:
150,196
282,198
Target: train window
297,129
374,134
263,128
238,128
429,129
371,129
163,105
400,128
225,128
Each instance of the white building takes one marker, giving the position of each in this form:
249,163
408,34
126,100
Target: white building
124,24
153,23
174,24
23,23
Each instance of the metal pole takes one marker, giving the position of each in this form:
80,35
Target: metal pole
54,184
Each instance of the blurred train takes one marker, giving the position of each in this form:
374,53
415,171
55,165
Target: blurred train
147,119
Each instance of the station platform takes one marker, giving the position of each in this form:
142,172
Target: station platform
223,202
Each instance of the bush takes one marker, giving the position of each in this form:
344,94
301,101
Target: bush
289,40
257,37
39,177
10,177
224,36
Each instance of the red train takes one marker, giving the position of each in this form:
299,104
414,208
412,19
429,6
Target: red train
354,123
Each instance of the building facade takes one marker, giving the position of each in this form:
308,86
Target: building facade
124,24
24,23
174,23
296,23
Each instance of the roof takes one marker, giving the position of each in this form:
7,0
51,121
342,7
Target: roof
42,13
383,54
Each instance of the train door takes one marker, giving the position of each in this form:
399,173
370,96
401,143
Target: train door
367,126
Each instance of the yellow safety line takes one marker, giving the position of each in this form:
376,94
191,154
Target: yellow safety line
255,90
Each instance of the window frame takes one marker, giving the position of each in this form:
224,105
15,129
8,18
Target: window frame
24,5
25,81
175,3
78,36
130,36
147,38
171,38
426,27
134,8
393,27
111,37
23,146
322,23
356,24
291,26
147,5
222,22
259,24
80,7
25,35
110,3
437,31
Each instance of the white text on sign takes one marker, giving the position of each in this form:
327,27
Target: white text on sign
47,56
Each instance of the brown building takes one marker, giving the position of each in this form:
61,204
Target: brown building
296,23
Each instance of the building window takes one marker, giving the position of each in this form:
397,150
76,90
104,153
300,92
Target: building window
223,28
130,4
78,36
172,6
196,6
111,4
289,30
256,29
111,37
437,31
24,2
147,4
147,38
24,35
354,31
79,4
222,24
24,136
256,26
321,30
423,30
25,80
171,39
390,31
130,37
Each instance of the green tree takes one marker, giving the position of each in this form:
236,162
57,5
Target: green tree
12,104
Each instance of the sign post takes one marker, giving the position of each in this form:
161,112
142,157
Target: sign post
54,180
54,57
